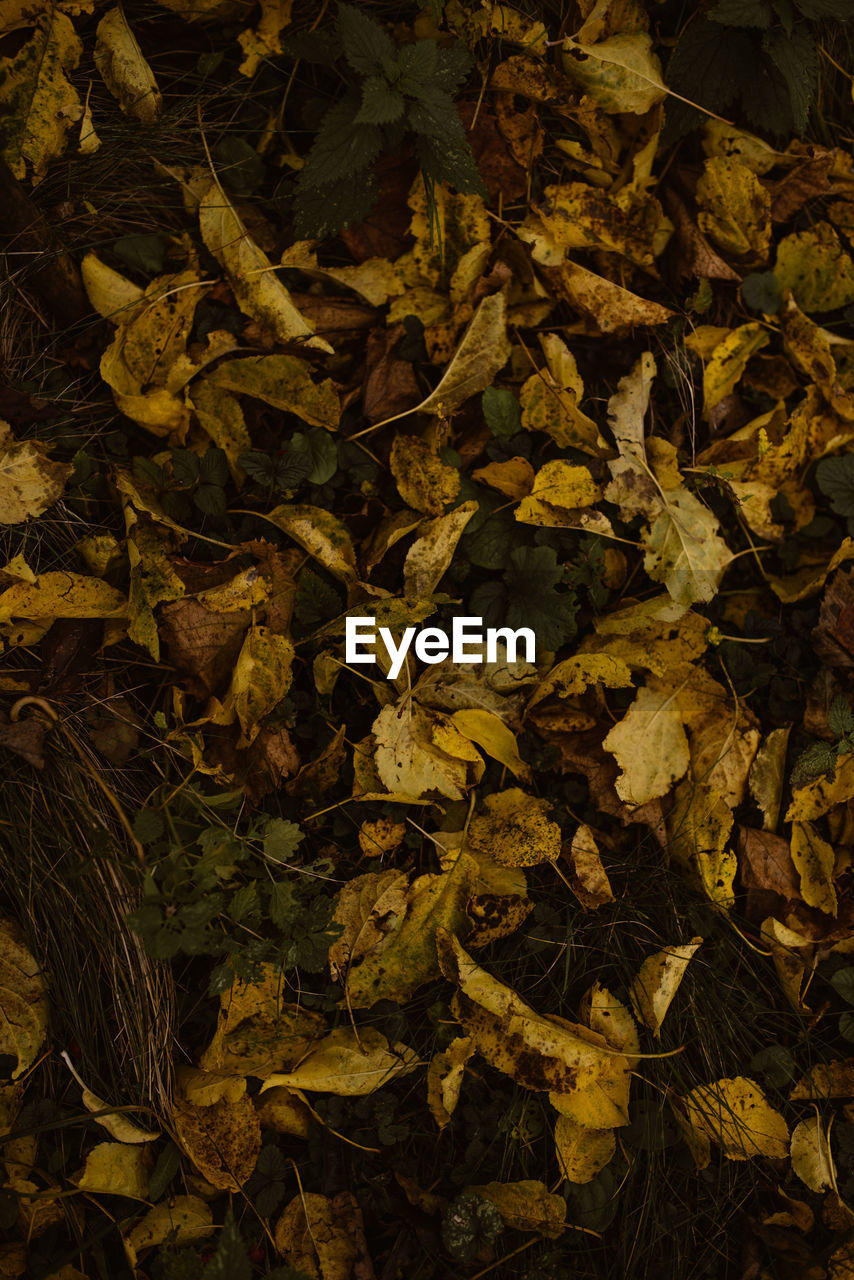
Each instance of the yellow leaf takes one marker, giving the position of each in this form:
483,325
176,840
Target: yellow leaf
112,295
577,216
124,70
222,1140
204,1088
283,1112
30,481
258,1031
285,382
491,733
649,745
406,957
526,1206
576,674
728,361
445,1076
423,480
37,102
368,908
376,279
582,1153
559,488
657,982
620,74
221,418
259,293
114,1169
431,554
767,776
685,550
312,1237
484,350
813,264
182,1220
58,594
736,1115
590,883
550,400
811,1157
539,1052
265,40
819,797
698,827
23,1007
815,862
512,828
262,676
735,208
349,1062
826,1080
420,751
322,535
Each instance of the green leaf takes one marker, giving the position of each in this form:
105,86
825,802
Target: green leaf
469,1223
185,467
453,67
230,1261
239,167
818,9
450,160
743,13
846,1026
323,211
817,759
708,66
281,839
283,473
761,292
168,1164
531,598
776,1064
148,826
417,67
145,253
840,717
381,104
765,97
835,478
210,499
502,412
365,43
214,467
843,984
340,149
322,451
796,58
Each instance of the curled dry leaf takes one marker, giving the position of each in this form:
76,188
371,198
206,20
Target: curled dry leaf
657,982
445,1075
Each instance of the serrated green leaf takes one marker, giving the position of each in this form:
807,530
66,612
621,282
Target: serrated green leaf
363,40
835,478
796,58
281,839
840,717
213,468
230,1260
340,149
743,13
381,104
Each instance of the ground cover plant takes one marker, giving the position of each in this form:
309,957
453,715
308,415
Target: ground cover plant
539,314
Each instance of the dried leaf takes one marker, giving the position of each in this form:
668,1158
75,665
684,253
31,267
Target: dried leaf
349,1062
735,1114
124,70
657,982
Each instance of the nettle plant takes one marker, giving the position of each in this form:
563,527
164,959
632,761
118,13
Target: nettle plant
395,95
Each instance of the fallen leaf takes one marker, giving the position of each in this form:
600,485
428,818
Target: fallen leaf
498,741
735,208
312,1238
589,880
262,676
657,982
30,481
513,828
620,74
582,1153
283,382
39,104
483,351
349,1062
550,400
124,70
282,1111
259,1031
420,751
814,265
423,480
23,1006
264,40
815,862
183,1219
526,1206
445,1075
259,292
811,1157
222,1140
113,1169
649,745
735,1114
430,556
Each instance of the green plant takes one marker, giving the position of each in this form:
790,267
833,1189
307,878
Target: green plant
820,758
759,54
397,94
226,896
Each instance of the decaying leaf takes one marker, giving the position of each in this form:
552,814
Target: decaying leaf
223,1140
23,1007
30,481
39,104
526,1206
811,1157
582,1153
124,70
513,829
185,1219
735,1114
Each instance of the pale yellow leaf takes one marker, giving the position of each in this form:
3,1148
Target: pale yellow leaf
30,481
348,1062
657,982
124,70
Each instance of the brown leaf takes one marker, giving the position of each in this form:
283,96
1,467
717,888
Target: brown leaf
691,252
504,178
271,759
203,645
390,386
811,178
833,637
385,231
26,739
766,865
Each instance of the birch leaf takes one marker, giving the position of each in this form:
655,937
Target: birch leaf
658,981
38,105
649,745
349,1063
811,1157
30,481
124,70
